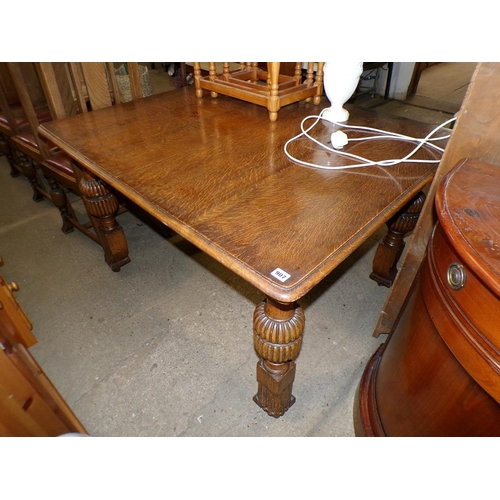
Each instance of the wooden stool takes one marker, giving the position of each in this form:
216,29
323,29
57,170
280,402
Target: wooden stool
265,88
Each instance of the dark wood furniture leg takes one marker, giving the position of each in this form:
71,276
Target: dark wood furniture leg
391,247
102,207
60,200
28,168
6,149
278,329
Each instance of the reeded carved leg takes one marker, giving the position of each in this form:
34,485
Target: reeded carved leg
278,329
28,168
391,247
102,207
58,197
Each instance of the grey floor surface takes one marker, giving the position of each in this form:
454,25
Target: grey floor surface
164,347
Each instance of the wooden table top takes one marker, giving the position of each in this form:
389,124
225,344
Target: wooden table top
214,170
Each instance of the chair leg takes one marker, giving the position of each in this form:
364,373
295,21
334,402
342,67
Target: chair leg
60,200
6,150
28,168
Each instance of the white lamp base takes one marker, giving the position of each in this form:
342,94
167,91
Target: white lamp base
340,82
335,114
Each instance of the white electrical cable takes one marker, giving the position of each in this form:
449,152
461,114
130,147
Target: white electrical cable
427,140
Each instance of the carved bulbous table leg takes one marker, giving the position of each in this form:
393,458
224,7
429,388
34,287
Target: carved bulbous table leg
102,207
391,247
278,329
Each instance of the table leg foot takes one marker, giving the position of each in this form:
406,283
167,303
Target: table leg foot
274,394
278,330
391,247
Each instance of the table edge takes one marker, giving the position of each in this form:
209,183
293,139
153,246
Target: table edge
270,288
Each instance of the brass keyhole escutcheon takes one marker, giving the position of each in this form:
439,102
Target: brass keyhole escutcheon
456,276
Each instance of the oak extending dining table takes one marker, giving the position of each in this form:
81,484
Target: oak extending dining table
215,172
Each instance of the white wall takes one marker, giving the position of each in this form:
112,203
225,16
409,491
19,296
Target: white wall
400,80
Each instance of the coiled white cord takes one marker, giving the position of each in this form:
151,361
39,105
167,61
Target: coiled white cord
427,140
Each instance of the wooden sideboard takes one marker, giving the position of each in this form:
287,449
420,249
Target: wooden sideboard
438,373
30,405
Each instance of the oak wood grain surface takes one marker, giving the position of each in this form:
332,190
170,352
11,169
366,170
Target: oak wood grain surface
214,170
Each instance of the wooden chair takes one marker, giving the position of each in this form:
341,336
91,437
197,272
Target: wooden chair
69,88
13,122
27,145
80,87
265,88
10,111
72,88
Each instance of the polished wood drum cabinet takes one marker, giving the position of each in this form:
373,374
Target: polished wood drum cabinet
438,373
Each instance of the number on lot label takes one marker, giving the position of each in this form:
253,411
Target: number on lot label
280,274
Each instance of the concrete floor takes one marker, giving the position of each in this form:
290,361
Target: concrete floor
164,347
